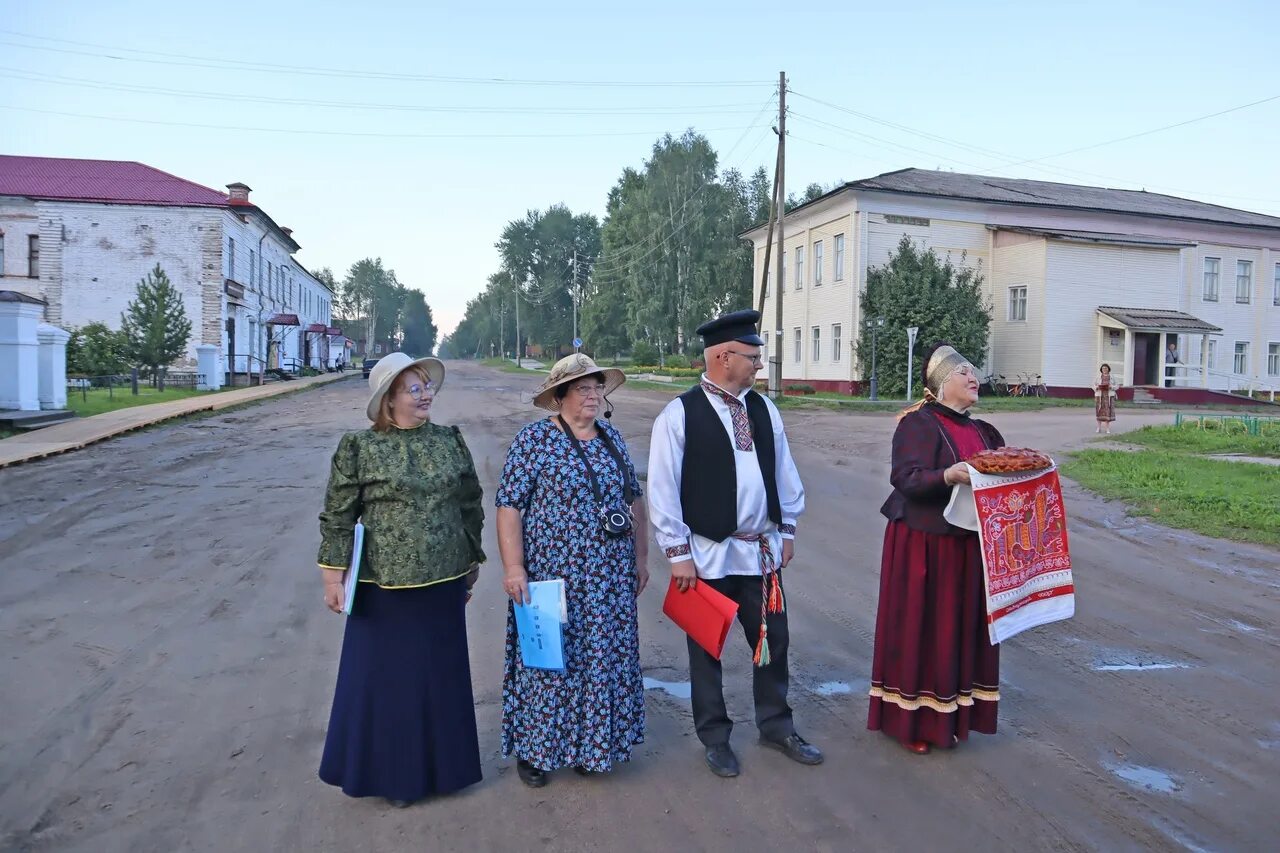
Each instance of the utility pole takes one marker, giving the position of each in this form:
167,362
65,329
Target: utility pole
519,347
780,208
574,294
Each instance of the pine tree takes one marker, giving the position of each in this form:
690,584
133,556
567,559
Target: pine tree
155,324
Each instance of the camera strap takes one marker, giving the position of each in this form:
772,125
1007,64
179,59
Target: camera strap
627,494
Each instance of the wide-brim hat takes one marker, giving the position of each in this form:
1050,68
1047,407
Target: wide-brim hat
569,369
384,374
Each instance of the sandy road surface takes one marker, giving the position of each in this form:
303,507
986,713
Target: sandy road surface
167,667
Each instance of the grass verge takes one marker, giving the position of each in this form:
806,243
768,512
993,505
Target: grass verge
1211,438
97,401
506,365
1227,500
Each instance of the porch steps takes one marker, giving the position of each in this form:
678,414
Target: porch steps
21,420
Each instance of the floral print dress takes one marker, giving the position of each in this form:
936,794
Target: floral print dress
592,714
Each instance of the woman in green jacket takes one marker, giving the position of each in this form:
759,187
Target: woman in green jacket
403,722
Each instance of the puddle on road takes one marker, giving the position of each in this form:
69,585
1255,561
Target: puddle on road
1146,778
1103,666
678,689
833,688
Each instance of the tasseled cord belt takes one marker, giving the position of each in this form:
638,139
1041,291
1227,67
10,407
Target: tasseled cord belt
771,599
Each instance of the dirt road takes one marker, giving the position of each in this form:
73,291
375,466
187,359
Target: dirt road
167,668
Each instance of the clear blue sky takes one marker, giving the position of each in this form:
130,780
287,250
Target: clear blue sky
996,82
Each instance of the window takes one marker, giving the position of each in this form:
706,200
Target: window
817,264
1017,304
1211,268
2,264
1244,281
1213,355
784,268
1273,359
1240,364
839,273
817,344
799,346
33,256
799,267
837,341
231,258
1275,286
253,268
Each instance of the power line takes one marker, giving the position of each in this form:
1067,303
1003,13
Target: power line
350,133
224,64
59,80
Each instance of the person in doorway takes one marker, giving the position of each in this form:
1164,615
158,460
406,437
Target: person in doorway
562,475
1170,359
724,495
1104,399
403,722
934,674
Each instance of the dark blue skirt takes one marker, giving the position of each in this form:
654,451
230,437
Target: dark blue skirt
403,724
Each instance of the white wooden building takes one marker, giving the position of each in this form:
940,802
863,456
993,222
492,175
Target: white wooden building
1076,275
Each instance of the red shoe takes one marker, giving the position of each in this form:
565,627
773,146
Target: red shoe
919,747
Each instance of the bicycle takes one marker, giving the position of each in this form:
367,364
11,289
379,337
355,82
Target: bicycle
1040,389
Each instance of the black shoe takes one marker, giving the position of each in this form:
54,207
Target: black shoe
530,775
399,804
722,761
796,748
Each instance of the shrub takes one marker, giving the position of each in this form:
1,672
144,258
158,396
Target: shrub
677,362
643,352
801,389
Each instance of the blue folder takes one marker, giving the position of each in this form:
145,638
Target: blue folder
539,626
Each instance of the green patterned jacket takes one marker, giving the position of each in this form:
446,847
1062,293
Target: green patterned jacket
417,493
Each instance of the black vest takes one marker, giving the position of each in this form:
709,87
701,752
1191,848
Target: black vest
709,487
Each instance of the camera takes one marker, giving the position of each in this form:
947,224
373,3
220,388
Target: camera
616,522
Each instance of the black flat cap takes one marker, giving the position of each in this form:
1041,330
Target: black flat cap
735,326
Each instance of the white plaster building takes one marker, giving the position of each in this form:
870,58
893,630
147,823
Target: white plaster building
1076,276
81,234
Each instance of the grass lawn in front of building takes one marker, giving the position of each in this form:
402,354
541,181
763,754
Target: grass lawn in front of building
1213,437
97,401
1227,500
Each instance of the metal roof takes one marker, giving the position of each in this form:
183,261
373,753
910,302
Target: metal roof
1157,319
112,181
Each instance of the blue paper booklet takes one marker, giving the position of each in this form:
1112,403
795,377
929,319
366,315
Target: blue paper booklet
353,571
540,625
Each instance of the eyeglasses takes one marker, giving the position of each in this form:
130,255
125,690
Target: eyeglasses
754,357
418,392
588,390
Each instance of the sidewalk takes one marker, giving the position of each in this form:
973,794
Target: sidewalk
78,433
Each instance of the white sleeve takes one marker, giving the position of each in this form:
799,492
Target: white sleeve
666,461
790,489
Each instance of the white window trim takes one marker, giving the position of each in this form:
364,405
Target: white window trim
1241,357
1248,292
799,267
1204,280
819,253
1275,287
1273,358
837,341
815,344
799,350
839,243
1023,318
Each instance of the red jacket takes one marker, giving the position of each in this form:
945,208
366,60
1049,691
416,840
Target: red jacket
922,451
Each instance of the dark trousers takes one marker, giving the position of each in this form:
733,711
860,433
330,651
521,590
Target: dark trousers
769,683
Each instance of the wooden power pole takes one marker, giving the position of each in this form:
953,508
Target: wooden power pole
780,211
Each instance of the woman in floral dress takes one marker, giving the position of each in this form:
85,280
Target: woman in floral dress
590,715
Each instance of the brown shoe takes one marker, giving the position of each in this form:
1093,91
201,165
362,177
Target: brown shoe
919,747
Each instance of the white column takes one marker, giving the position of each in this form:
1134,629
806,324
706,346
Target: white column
1127,373
20,351
210,378
1204,361
53,366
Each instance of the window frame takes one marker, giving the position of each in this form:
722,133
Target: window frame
837,341
1014,302
1240,358
1273,358
799,342
1275,285
33,256
231,258
838,274
1246,279
1205,294
2,254
799,250
815,345
817,263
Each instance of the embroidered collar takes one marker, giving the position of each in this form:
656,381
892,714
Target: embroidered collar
742,396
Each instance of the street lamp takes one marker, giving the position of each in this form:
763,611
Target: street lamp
874,325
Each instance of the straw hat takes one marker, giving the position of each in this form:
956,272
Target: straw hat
569,369
384,374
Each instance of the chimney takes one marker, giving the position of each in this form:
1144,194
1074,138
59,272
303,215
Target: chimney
288,232
239,192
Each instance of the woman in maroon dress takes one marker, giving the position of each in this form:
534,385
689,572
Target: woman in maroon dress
934,675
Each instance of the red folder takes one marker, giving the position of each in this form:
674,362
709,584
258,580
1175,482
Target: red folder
703,614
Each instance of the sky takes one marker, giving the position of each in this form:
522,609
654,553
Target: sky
415,131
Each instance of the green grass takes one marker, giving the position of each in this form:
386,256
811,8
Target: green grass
1227,500
96,401
1191,438
506,365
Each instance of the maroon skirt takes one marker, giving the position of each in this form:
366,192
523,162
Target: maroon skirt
935,675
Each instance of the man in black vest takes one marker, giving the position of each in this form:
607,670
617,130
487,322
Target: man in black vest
724,496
